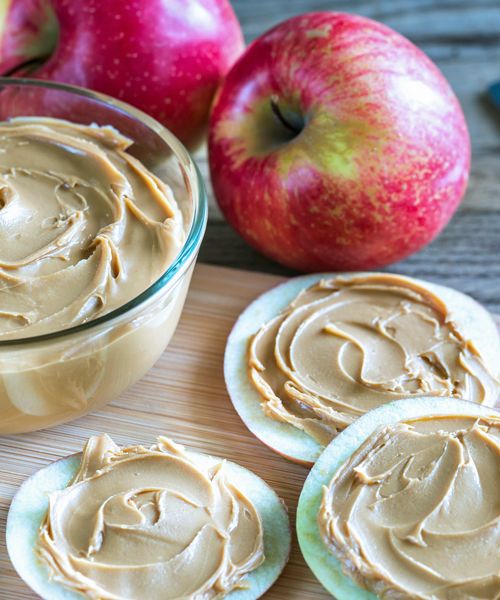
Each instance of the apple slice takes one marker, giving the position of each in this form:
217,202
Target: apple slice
322,562
30,505
474,322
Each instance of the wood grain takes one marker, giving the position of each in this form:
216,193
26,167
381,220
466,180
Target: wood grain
463,38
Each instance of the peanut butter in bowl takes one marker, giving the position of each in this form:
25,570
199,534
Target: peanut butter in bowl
88,235
85,226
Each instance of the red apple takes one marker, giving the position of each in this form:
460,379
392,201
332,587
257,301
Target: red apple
336,144
164,57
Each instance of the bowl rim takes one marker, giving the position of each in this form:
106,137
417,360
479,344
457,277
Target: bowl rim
194,236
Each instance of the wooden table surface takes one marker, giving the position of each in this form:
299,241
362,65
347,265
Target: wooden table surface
463,38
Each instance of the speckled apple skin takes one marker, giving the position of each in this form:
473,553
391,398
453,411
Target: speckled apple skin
166,57
380,165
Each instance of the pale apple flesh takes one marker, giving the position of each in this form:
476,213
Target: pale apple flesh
335,143
325,566
474,321
166,58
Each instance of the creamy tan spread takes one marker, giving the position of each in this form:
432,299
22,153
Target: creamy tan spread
415,512
84,226
150,523
347,345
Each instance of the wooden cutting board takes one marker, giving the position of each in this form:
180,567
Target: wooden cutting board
184,397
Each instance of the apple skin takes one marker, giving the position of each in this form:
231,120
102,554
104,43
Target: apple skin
381,161
166,58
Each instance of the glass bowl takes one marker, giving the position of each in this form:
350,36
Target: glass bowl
52,378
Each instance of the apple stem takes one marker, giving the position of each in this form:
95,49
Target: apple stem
281,118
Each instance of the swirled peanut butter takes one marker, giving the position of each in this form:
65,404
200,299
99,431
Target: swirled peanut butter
347,345
415,512
84,226
150,523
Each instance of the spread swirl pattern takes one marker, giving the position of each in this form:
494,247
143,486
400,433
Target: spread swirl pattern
415,512
347,345
150,522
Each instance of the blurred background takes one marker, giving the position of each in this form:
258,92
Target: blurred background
463,38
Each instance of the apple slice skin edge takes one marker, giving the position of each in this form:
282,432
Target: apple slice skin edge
325,566
30,504
285,439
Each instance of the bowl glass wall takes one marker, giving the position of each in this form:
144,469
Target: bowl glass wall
49,379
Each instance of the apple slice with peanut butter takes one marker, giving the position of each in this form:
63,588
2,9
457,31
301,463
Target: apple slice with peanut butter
309,357
139,522
404,504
